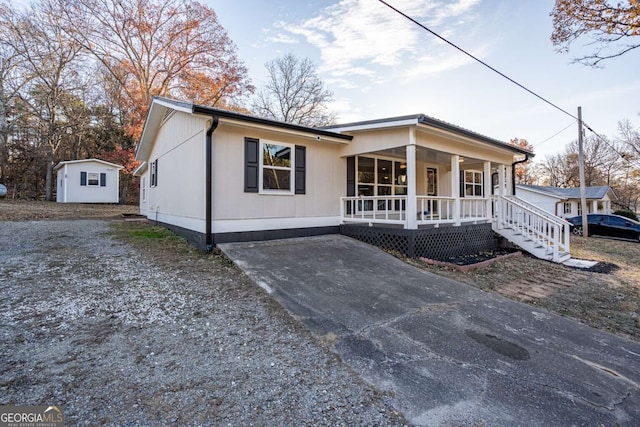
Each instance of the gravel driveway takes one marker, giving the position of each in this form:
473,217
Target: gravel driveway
115,337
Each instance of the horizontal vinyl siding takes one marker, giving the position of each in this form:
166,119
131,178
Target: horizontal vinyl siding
179,149
325,180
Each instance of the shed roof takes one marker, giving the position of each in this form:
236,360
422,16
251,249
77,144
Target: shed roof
597,192
69,162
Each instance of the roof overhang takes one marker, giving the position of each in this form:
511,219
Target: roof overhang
434,126
141,169
538,191
160,106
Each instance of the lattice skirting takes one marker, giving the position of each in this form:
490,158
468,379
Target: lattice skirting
435,243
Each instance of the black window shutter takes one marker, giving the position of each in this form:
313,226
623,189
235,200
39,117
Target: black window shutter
155,180
301,165
251,165
461,183
351,176
103,179
83,178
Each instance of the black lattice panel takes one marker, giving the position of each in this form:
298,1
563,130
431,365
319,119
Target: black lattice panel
443,243
385,238
435,243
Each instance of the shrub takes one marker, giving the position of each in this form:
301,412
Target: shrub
626,213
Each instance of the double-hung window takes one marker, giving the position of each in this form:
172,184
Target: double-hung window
277,167
472,183
567,208
93,179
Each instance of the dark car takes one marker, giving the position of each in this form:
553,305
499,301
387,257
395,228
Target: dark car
607,225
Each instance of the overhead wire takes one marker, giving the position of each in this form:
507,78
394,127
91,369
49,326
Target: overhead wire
555,134
424,27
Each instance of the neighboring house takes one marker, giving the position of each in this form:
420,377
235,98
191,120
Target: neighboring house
87,181
565,202
412,183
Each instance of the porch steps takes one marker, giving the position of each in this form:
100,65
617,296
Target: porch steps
541,234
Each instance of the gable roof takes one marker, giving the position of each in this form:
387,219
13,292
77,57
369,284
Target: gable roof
428,121
69,162
160,106
597,192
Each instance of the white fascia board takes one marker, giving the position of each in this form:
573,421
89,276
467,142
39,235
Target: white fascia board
141,169
69,162
280,131
378,125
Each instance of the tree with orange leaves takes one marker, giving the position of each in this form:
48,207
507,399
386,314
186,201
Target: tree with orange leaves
522,169
613,27
159,47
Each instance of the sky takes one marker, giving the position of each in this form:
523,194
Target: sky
378,64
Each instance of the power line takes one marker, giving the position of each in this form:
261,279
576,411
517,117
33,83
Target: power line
424,27
555,134
478,60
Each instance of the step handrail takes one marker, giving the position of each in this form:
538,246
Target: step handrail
533,208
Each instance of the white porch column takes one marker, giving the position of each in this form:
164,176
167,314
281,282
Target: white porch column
594,208
412,203
487,187
455,187
501,179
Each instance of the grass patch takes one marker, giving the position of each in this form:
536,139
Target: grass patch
152,233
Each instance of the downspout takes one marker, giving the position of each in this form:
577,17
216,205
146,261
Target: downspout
513,173
208,185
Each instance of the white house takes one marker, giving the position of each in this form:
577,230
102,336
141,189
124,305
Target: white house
565,202
87,181
412,182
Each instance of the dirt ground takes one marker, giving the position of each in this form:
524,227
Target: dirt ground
608,301
27,210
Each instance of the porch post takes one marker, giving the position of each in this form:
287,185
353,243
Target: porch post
501,178
455,187
412,203
487,188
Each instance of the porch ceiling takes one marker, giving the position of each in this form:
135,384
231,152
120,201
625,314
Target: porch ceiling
427,155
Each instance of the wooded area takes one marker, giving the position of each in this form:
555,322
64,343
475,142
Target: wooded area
77,78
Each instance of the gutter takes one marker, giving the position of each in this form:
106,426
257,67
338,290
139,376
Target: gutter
513,172
208,184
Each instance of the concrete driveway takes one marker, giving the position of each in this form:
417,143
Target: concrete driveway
451,354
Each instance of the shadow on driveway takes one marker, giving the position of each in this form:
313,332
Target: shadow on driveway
452,354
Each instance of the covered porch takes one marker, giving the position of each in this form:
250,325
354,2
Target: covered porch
420,187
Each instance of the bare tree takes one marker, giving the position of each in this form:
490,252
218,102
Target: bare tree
294,93
613,27
629,137
50,57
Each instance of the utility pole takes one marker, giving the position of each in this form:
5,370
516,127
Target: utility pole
583,189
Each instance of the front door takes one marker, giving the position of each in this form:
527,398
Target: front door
432,188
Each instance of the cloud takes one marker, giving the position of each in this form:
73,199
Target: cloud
365,38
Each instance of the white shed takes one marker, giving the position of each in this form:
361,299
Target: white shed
88,181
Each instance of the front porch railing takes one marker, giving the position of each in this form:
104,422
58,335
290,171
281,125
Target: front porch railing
432,210
376,209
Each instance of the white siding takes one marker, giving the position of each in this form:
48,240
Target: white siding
547,203
179,150
70,191
235,210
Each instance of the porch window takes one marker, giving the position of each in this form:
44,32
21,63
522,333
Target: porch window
432,182
276,165
567,208
579,208
381,177
472,183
